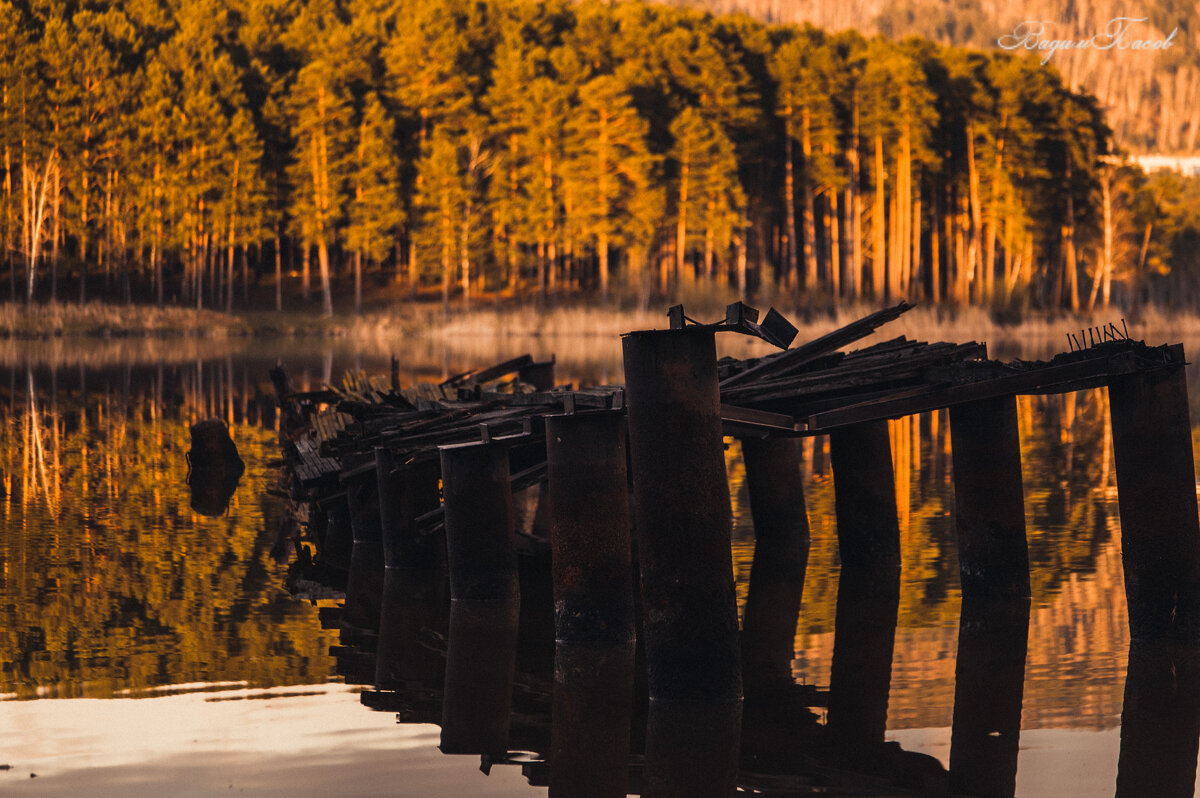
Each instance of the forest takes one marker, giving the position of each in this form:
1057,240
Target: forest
213,153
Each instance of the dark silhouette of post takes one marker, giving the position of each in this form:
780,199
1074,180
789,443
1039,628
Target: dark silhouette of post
364,583
485,599
1156,482
684,521
989,499
868,586
865,496
415,600
593,604
864,639
989,684
781,545
1160,722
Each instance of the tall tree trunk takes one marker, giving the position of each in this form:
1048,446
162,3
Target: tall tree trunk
278,270
810,225
602,250
1071,276
914,267
326,287
935,245
975,285
835,245
681,211
879,223
789,201
358,268
739,243
854,209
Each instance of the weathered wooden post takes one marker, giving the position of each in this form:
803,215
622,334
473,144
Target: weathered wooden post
865,496
1160,721
539,375
414,582
485,598
989,683
868,586
781,544
364,583
1156,492
988,498
684,522
593,601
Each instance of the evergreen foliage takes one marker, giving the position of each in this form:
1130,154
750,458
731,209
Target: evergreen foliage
538,147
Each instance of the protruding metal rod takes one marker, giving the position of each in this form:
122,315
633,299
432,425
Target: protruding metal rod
865,496
989,683
988,497
781,544
683,520
1156,482
481,652
1160,721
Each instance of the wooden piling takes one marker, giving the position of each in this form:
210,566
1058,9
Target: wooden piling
481,654
1160,721
989,683
589,497
989,500
781,545
593,601
683,520
485,598
415,601
364,583
1156,488
589,731
865,496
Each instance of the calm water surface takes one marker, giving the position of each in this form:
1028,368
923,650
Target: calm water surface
144,644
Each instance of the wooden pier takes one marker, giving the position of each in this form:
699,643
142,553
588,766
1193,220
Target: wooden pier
626,565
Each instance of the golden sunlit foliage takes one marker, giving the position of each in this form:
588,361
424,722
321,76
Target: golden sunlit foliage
536,149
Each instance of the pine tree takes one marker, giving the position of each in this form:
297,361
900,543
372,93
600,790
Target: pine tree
323,127
609,171
375,209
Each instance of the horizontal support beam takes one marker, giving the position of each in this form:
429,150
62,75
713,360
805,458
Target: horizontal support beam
1052,379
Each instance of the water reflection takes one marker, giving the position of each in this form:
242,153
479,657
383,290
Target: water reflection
110,583
110,578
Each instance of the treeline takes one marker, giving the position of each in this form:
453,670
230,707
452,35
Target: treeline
1152,97
191,151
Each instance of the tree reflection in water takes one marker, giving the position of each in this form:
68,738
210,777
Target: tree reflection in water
109,582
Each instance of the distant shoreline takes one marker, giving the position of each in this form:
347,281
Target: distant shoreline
569,320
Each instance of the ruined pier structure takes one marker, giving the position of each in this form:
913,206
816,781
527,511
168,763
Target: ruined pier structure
668,426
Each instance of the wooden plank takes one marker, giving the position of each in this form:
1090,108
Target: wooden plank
1069,376
810,350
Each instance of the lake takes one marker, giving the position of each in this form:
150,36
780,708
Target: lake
148,648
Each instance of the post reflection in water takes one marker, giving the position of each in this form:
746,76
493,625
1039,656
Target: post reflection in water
1160,723
110,583
989,682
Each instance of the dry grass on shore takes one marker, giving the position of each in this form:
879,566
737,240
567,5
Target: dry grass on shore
101,319
484,327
